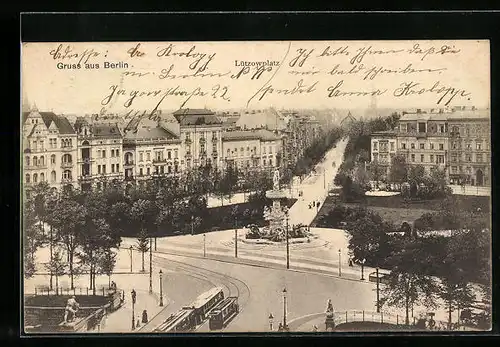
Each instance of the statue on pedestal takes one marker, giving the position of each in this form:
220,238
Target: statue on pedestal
330,321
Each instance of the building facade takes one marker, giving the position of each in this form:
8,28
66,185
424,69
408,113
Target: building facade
149,152
251,149
456,141
200,135
99,157
49,149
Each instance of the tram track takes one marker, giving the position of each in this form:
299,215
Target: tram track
234,286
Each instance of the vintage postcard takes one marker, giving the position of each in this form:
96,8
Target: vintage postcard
277,186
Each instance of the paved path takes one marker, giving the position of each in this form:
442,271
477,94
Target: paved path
471,190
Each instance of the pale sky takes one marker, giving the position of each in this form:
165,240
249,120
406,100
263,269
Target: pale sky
461,70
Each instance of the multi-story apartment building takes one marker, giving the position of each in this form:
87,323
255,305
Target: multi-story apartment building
200,133
456,141
150,151
251,149
49,149
100,158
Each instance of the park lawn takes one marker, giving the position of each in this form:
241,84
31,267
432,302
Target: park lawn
394,209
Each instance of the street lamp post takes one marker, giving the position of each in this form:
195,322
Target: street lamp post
131,258
378,298
150,266
362,269
287,244
285,327
204,245
340,263
133,294
161,288
236,239
192,225
271,321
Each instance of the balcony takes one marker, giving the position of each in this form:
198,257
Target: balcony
66,165
67,180
455,134
35,167
159,161
85,178
128,163
67,149
85,161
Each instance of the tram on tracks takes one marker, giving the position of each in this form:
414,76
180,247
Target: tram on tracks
223,313
191,316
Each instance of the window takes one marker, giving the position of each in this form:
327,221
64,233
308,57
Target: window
169,169
112,168
421,158
468,157
99,169
41,145
441,146
264,150
112,152
412,146
176,168
469,146
441,128
141,156
41,161
27,178
35,178
169,155
413,157
255,149
188,136
404,128
148,156
148,171
66,158
478,146
270,150
67,174
53,176
431,158
141,172
42,177
162,169
53,159
117,167
375,156
479,157
374,146
454,169
117,152
422,146
27,161
392,146
176,153
104,153
421,127
270,162
454,145
440,159
403,146
453,157
104,169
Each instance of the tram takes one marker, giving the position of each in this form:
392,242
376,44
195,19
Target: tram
223,313
191,316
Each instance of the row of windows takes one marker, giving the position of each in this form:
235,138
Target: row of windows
40,161
160,170
40,144
422,127
383,146
158,155
433,159
101,169
101,153
468,157
53,176
203,134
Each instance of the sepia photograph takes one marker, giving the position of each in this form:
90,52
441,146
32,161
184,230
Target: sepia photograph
256,187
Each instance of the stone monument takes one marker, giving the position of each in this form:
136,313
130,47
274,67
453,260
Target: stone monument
276,215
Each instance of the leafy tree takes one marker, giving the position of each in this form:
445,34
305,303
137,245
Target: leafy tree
416,174
457,293
143,244
67,222
399,169
409,281
107,264
40,193
368,236
377,172
57,266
